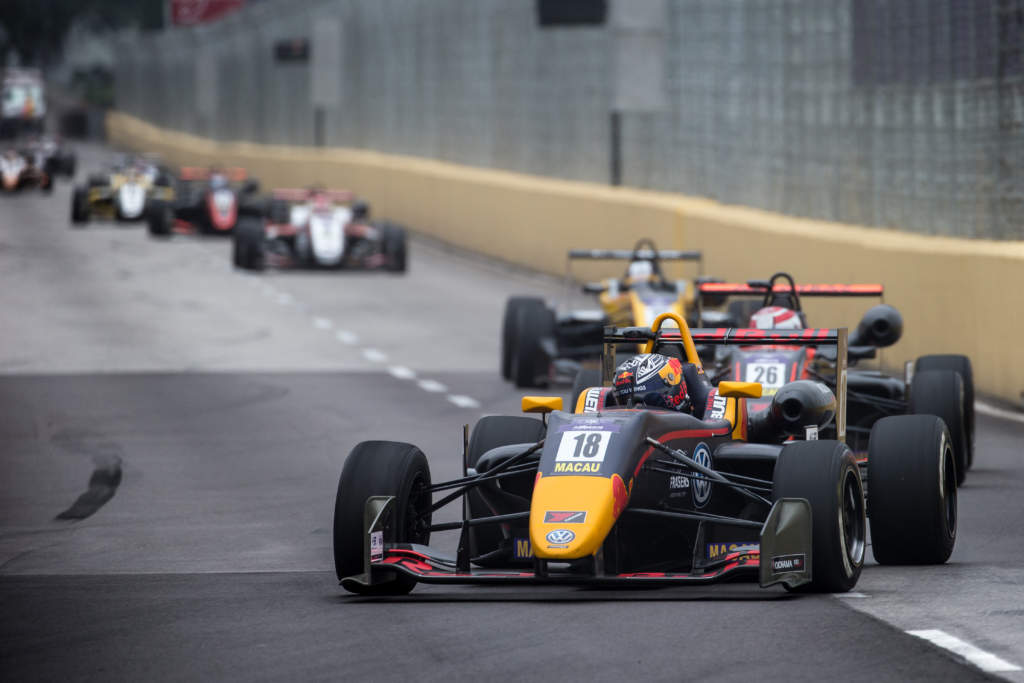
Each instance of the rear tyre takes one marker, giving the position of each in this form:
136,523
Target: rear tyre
394,248
80,206
247,244
508,330
585,378
381,468
912,493
941,393
535,322
159,217
962,366
490,432
826,474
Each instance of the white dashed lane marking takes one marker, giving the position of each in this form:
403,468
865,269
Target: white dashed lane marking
402,372
464,401
994,411
285,299
852,596
375,355
433,386
986,661
322,323
346,337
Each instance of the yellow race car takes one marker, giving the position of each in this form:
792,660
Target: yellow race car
121,193
540,346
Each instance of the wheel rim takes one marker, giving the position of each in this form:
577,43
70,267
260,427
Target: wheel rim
948,486
417,512
852,526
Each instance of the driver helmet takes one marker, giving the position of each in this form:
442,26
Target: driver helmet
654,380
218,180
776,318
640,271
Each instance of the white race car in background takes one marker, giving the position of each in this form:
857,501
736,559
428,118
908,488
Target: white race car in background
318,229
19,169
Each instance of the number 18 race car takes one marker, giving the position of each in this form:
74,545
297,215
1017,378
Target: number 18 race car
615,494
939,385
319,228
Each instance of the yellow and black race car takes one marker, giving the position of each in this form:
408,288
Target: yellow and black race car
540,346
121,193
621,493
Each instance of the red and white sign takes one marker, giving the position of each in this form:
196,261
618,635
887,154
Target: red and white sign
191,12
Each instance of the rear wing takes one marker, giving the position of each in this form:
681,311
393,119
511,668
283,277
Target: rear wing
760,289
630,254
726,336
290,194
234,174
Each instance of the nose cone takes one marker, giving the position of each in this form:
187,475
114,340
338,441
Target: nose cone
570,516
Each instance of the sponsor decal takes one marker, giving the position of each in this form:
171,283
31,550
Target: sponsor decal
577,468
678,484
811,433
583,446
701,484
718,406
560,537
716,550
376,546
592,401
788,563
565,517
620,494
585,424
521,549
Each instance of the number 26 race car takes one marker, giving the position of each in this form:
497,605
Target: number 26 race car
615,494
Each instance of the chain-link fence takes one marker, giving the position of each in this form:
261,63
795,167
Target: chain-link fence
905,114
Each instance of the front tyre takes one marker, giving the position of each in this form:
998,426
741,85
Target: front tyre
80,206
531,364
247,244
912,490
825,473
381,468
395,248
159,217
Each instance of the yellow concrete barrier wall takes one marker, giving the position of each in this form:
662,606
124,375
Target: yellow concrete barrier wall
956,295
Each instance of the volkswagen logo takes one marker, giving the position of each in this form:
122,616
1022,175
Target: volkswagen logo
701,484
560,536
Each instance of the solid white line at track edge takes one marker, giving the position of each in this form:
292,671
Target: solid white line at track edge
986,661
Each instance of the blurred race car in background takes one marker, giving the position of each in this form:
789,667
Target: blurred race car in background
54,155
941,385
20,169
122,192
540,346
208,201
318,228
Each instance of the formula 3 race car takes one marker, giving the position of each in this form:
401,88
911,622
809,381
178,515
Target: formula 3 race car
206,201
941,385
539,346
616,495
21,169
319,228
121,193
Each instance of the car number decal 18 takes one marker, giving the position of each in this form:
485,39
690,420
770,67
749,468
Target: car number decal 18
583,446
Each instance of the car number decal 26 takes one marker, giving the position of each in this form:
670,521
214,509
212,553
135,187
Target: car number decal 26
583,446
770,375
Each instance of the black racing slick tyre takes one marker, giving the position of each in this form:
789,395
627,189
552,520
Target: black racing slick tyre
490,432
80,206
825,473
531,365
585,378
941,393
247,244
395,248
381,468
508,329
159,218
962,366
912,492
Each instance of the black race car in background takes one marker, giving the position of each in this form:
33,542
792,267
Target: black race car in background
209,201
319,228
54,155
941,385
615,495
540,346
21,169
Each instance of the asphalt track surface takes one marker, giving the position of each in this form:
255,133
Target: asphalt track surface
191,422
